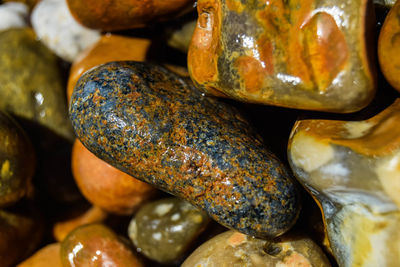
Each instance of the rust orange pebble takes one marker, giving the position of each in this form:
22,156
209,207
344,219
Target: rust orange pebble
112,15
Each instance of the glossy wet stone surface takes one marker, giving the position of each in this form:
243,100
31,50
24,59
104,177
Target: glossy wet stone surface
49,256
163,230
13,15
105,186
21,230
93,215
235,249
389,47
297,54
96,245
352,170
17,161
126,14
110,47
58,30
157,127
30,83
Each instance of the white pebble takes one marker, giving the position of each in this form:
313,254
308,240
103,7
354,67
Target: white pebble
58,30
13,15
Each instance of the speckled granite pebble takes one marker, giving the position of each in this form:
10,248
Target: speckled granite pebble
155,126
164,229
13,15
58,30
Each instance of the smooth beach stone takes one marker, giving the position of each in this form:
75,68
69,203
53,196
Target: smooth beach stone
352,169
154,125
58,30
21,231
105,186
297,54
389,47
110,47
49,256
235,249
96,245
163,230
109,15
93,215
13,15
30,84
17,161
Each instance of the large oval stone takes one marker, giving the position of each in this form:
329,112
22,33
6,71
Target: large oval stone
155,126
298,54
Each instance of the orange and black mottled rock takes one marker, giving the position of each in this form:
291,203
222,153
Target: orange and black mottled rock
155,126
299,54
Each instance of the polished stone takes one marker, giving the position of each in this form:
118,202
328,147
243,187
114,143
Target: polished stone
154,125
163,230
352,169
298,54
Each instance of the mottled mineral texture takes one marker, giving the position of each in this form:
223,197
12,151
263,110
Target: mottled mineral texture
58,30
156,126
30,83
389,47
298,54
49,256
106,186
110,47
95,245
163,230
235,249
112,15
352,169
17,161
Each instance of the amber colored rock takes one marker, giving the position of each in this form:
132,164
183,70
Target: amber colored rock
110,47
235,249
163,230
17,161
110,15
21,230
49,256
96,245
30,82
105,186
352,169
156,126
92,215
389,47
297,54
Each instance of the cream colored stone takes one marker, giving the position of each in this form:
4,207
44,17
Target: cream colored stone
308,153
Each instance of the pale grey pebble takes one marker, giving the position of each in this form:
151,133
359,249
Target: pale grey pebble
13,15
59,31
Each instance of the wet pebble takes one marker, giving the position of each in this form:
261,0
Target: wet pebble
163,230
